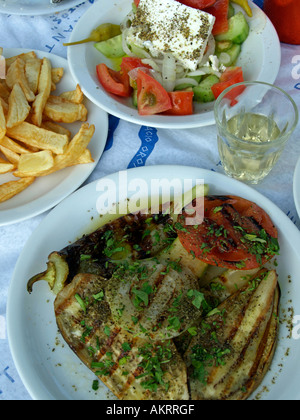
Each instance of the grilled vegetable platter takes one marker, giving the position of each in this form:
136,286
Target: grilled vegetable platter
162,309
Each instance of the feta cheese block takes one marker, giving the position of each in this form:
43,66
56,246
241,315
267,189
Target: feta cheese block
167,26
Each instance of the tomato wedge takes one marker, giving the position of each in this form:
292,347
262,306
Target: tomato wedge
131,63
182,103
220,11
230,77
197,4
115,82
236,233
152,98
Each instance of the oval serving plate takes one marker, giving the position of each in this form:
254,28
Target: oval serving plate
49,369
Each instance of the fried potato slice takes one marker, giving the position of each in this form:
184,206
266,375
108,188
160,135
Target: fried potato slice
73,153
61,110
49,125
38,137
32,71
32,163
12,188
24,57
10,155
2,122
4,91
57,74
44,89
4,106
6,166
16,74
13,145
75,96
18,107
85,158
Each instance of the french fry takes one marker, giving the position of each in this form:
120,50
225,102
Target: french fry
24,57
75,149
4,91
38,137
85,158
10,155
13,145
12,188
18,107
4,106
44,89
75,96
50,125
16,74
32,72
60,110
6,166
57,74
2,122
33,163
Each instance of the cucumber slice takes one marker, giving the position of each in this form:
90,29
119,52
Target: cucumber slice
134,98
223,46
228,58
231,11
112,48
238,30
203,92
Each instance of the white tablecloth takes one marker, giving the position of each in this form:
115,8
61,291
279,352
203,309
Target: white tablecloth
126,149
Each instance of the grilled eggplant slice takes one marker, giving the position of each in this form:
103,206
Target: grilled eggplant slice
157,296
133,368
234,346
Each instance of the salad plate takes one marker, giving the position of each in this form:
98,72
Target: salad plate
35,7
48,367
49,190
296,187
260,60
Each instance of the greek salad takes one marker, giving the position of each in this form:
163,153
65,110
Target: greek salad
169,54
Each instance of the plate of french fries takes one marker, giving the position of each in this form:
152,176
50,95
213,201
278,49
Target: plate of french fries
51,136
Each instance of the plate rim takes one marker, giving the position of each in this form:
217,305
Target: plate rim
47,11
296,187
167,122
263,201
20,217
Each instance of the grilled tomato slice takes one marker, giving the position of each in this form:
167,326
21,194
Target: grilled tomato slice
235,233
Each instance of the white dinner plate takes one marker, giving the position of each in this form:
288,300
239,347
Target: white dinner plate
35,7
47,191
48,367
260,60
296,187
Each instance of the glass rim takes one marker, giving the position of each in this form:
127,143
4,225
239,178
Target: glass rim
254,82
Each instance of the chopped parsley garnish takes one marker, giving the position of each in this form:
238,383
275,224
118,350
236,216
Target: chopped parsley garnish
153,359
260,244
142,295
203,358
